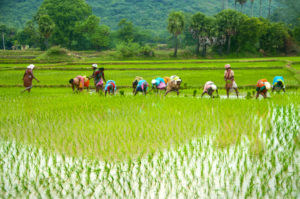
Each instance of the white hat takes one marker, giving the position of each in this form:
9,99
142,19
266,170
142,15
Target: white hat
268,85
227,66
153,81
95,66
31,66
214,87
178,80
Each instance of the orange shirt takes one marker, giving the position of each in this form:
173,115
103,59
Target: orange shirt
261,82
166,79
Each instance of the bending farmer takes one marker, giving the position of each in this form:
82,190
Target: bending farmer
158,83
142,86
209,88
173,84
278,84
135,83
110,87
262,88
80,82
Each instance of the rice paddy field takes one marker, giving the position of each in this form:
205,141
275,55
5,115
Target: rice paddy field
57,144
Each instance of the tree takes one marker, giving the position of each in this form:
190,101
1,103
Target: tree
228,22
126,30
7,36
29,35
252,3
64,14
274,37
242,2
249,34
46,27
175,27
88,34
260,8
202,29
287,13
270,1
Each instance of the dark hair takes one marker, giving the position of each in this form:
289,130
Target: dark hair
135,83
279,83
71,81
101,69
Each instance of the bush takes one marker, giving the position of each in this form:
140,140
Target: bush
129,49
147,51
56,53
132,49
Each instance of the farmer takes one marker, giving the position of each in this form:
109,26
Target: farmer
278,84
229,79
158,83
98,77
110,87
262,88
135,83
142,86
173,84
27,78
80,82
209,88
167,80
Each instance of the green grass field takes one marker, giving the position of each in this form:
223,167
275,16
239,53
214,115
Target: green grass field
58,144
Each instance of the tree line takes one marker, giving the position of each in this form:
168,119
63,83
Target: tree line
71,24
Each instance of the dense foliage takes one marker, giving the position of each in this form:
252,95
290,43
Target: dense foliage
72,25
149,14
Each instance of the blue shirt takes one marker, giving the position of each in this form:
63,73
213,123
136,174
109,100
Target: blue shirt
110,82
159,80
141,82
277,79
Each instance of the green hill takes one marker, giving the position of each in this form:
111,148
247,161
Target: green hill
148,14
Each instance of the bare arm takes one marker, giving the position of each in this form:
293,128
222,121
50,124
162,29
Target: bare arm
103,77
35,77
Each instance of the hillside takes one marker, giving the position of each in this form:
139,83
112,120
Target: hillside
148,14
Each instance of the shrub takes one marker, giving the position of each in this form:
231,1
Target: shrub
147,51
131,49
56,53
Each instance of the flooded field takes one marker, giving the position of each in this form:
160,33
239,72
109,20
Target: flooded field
267,167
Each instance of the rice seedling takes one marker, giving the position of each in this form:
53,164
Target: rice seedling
55,144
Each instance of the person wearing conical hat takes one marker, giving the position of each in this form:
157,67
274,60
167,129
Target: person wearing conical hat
262,88
209,88
28,77
174,83
278,84
229,79
98,76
